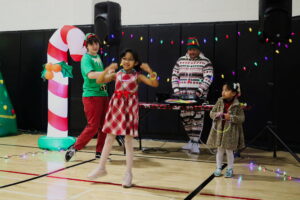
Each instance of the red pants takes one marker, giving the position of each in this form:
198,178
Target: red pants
95,109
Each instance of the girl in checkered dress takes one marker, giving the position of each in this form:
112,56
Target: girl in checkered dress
123,114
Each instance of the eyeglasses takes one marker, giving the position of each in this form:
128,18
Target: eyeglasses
128,60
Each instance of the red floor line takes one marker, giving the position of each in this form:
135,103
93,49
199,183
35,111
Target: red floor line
20,173
136,186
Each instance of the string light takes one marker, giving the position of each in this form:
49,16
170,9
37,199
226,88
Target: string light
222,76
278,172
233,73
266,58
250,29
161,41
267,40
123,33
131,35
292,33
278,44
244,68
259,33
151,40
182,41
227,36
277,51
204,41
290,40
172,42
286,46
216,39
256,64
25,155
239,33
141,38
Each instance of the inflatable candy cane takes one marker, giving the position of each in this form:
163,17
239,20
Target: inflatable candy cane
63,39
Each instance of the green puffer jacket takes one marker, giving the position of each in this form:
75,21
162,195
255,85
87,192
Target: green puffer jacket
232,136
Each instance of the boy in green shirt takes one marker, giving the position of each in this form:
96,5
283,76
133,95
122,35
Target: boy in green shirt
95,98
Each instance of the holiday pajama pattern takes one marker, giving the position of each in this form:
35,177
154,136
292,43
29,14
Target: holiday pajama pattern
188,77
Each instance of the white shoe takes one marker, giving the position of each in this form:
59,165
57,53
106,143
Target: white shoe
195,148
96,173
127,180
188,146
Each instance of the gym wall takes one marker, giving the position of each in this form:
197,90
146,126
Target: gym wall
269,80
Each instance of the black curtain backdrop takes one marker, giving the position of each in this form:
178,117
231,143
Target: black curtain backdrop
268,80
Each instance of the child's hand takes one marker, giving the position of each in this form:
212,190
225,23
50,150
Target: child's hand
227,116
219,115
112,67
198,94
145,67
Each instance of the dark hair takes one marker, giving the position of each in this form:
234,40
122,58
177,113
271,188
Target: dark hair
91,40
135,57
234,87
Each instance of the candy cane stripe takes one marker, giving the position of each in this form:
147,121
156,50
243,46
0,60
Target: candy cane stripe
60,123
57,53
58,89
57,105
64,32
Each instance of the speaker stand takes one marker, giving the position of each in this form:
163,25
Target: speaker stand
270,129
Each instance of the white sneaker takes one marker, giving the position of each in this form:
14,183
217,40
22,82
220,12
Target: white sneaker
188,146
195,148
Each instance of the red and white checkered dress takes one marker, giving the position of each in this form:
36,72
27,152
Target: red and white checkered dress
122,117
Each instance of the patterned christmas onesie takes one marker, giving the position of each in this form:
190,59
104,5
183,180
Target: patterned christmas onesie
122,117
188,77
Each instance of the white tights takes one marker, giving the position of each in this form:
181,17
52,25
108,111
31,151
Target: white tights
220,155
110,138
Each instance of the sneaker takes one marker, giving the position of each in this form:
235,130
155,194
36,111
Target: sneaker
195,148
218,172
188,146
70,153
229,173
98,155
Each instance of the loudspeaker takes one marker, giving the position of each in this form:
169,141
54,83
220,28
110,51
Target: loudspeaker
107,19
275,18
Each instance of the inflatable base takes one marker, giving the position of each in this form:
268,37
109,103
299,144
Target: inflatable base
55,143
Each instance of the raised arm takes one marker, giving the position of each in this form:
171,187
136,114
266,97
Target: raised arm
108,74
152,80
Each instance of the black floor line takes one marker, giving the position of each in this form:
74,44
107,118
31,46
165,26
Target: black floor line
189,197
202,185
47,174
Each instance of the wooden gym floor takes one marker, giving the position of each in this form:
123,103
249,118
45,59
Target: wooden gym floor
158,174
